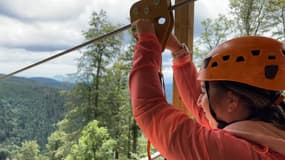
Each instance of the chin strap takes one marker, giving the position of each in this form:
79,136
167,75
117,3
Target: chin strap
280,103
280,100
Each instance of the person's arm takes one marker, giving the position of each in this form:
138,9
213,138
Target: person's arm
156,118
185,76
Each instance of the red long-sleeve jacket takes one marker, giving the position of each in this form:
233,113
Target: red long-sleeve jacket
173,133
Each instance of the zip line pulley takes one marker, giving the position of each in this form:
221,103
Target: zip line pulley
158,11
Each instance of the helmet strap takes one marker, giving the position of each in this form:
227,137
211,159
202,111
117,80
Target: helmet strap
280,103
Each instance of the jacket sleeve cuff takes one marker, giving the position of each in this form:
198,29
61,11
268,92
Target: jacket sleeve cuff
181,61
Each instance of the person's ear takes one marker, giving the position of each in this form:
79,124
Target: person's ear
232,101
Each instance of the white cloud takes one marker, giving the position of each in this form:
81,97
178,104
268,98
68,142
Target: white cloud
32,27
44,9
46,24
117,10
16,33
52,23
207,9
14,59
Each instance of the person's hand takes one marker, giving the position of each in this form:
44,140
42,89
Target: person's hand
177,48
142,26
173,44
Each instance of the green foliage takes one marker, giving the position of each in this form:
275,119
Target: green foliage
4,154
259,17
215,32
28,111
8,151
102,94
94,144
276,18
56,145
87,96
28,151
249,16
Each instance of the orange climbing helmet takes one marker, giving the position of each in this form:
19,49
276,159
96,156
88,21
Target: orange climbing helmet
253,60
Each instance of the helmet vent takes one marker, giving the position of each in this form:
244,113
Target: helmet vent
214,64
283,51
240,59
271,57
225,58
270,71
207,61
255,52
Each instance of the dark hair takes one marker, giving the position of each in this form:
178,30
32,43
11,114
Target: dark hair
261,102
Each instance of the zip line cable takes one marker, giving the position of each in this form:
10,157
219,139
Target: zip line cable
67,51
180,4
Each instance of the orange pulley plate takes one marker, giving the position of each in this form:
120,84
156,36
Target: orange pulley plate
158,11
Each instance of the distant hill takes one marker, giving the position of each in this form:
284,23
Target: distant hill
51,82
30,108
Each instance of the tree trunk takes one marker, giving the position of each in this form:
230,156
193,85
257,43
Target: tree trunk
97,83
135,137
129,138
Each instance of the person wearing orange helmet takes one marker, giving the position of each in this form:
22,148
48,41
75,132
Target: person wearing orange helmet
236,99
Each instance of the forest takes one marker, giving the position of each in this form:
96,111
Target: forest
30,108
92,118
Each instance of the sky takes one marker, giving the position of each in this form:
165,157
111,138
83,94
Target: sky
31,30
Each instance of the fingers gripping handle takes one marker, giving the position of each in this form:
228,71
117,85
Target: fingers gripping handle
159,12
